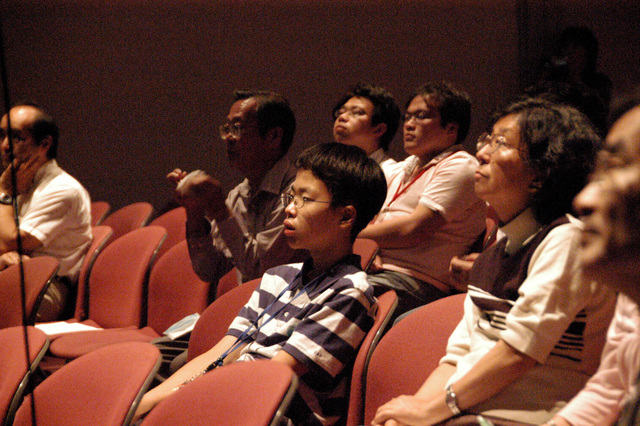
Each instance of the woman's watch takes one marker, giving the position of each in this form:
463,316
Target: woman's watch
451,400
6,199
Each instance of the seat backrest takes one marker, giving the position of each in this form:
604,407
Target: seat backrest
175,290
410,351
175,222
246,393
14,374
228,282
101,237
387,303
38,272
128,218
102,387
215,320
119,277
367,250
99,211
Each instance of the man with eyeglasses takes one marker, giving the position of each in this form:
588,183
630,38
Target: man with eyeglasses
311,316
245,228
53,207
367,116
431,212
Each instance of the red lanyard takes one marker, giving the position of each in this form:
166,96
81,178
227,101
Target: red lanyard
435,161
402,189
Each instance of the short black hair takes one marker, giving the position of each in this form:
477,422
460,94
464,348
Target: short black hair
43,126
385,108
454,105
273,110
561,147
351,177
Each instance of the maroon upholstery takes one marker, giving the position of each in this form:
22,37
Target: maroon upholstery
215,320
175,291
410,351
175,222
128,218
243,393
14,377
367,250
38,272
228,282
99,211
119,277
101,237
117,289
102,387
386,305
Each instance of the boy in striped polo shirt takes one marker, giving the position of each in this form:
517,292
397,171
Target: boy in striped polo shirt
311,316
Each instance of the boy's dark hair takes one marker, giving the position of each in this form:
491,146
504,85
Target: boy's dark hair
351,177
273,110
385,108
43,126
454,105
560,146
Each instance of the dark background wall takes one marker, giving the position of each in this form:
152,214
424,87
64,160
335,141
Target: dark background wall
139,87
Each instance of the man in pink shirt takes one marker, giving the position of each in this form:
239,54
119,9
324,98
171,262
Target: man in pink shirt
431,212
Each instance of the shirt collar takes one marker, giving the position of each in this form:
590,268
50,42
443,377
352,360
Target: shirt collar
43,170
299,282
519,230
379,155
413,162
272,181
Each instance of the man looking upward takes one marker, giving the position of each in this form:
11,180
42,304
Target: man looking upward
367,116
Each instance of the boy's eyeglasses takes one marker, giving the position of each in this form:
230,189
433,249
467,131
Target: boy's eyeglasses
297,200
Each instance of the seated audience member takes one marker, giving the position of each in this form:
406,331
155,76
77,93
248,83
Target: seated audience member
54,209
559,92
328,304
367,117
610,254
576,61
532,330
431,212
244,230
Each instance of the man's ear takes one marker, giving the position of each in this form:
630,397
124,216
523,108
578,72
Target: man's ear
348,216
452,128
45,144
274,136
379,129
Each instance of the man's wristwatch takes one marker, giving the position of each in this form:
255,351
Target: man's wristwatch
451,400
6,199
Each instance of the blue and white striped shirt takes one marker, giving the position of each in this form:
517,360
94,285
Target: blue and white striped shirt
321,324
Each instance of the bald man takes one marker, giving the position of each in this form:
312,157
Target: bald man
54,209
